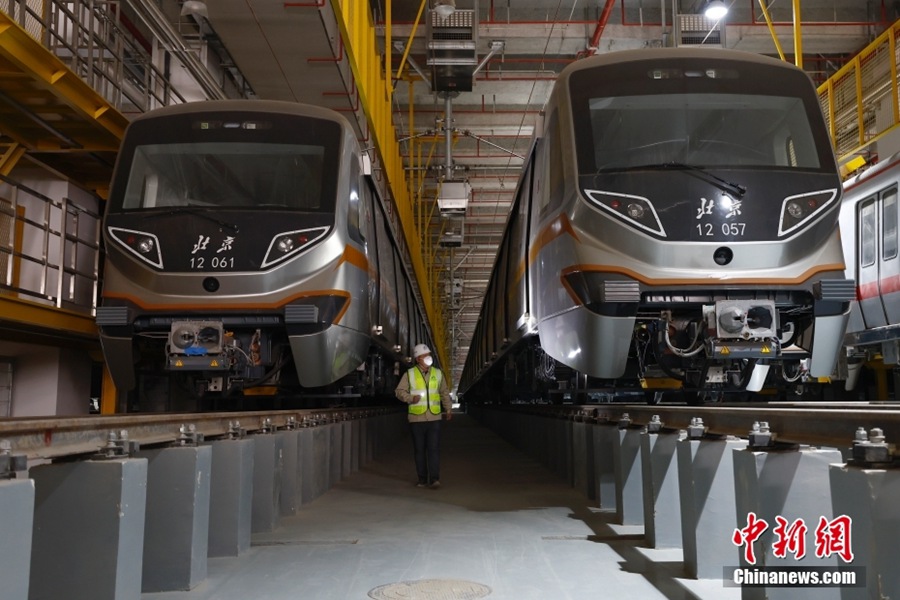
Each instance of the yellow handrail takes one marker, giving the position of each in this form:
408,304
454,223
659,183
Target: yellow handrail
853,99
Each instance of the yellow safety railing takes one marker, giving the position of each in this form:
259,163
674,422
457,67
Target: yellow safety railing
860,101
360,44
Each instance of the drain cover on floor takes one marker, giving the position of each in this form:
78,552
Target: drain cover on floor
431,589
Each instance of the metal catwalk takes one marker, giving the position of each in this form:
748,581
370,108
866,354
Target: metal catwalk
501,526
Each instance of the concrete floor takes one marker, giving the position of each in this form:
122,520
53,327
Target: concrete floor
500,520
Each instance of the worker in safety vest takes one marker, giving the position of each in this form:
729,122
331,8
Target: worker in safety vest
424,388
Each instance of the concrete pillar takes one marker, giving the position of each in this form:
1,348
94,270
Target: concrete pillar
604,466
706,488
290,475
88,538
315,448
346,429
567,458
662,507
869,498
355,457
268,467
16,522
364,442
793,485
370,438
583,458
335,462
176,537
231,493
629,485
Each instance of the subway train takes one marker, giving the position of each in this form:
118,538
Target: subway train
674,234
869,223
247,252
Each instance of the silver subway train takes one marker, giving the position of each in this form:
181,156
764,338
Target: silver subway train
247,250
869,227
675,227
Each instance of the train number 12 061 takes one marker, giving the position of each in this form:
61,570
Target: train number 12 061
216,262
729,229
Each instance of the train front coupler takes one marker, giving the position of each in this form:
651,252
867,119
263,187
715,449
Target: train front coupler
743,332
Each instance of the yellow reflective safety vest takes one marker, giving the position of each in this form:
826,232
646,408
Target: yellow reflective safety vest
428,392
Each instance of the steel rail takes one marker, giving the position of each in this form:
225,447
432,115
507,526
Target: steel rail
813,424
57,437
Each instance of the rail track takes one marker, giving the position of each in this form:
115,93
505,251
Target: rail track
819,424
833,425
57,437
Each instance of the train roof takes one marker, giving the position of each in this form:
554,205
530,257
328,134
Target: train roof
644,54
245,105
653,54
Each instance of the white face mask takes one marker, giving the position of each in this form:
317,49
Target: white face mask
427,361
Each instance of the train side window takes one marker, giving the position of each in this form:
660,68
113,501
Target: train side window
550,183
354,207
557,183
889,224
867,233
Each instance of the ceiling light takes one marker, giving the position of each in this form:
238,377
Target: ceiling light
444,8
195,7
715,10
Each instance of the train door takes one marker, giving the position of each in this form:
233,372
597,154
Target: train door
890,263
877,267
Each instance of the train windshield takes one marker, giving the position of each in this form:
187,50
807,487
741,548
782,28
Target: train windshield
707,118
227,175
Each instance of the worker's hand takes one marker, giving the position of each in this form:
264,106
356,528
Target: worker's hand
415,398
448,415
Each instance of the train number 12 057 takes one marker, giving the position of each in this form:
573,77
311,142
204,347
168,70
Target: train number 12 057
729,229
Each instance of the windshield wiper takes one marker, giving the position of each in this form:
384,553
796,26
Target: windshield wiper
735,189
200,212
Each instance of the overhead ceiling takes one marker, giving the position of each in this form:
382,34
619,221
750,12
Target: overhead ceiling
292,51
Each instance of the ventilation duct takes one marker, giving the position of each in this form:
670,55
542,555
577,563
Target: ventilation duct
698,30
452,38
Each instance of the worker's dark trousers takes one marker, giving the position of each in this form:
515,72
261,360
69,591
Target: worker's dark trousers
426,437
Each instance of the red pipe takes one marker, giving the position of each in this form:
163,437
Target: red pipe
601,25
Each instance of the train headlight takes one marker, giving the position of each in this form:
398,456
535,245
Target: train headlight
285,244
635,210
141,244
146,245
798,211
290,243
795,209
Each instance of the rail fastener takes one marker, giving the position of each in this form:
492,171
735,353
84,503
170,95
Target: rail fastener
188,436
655,425
696,430
871,448
117,446
9,462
